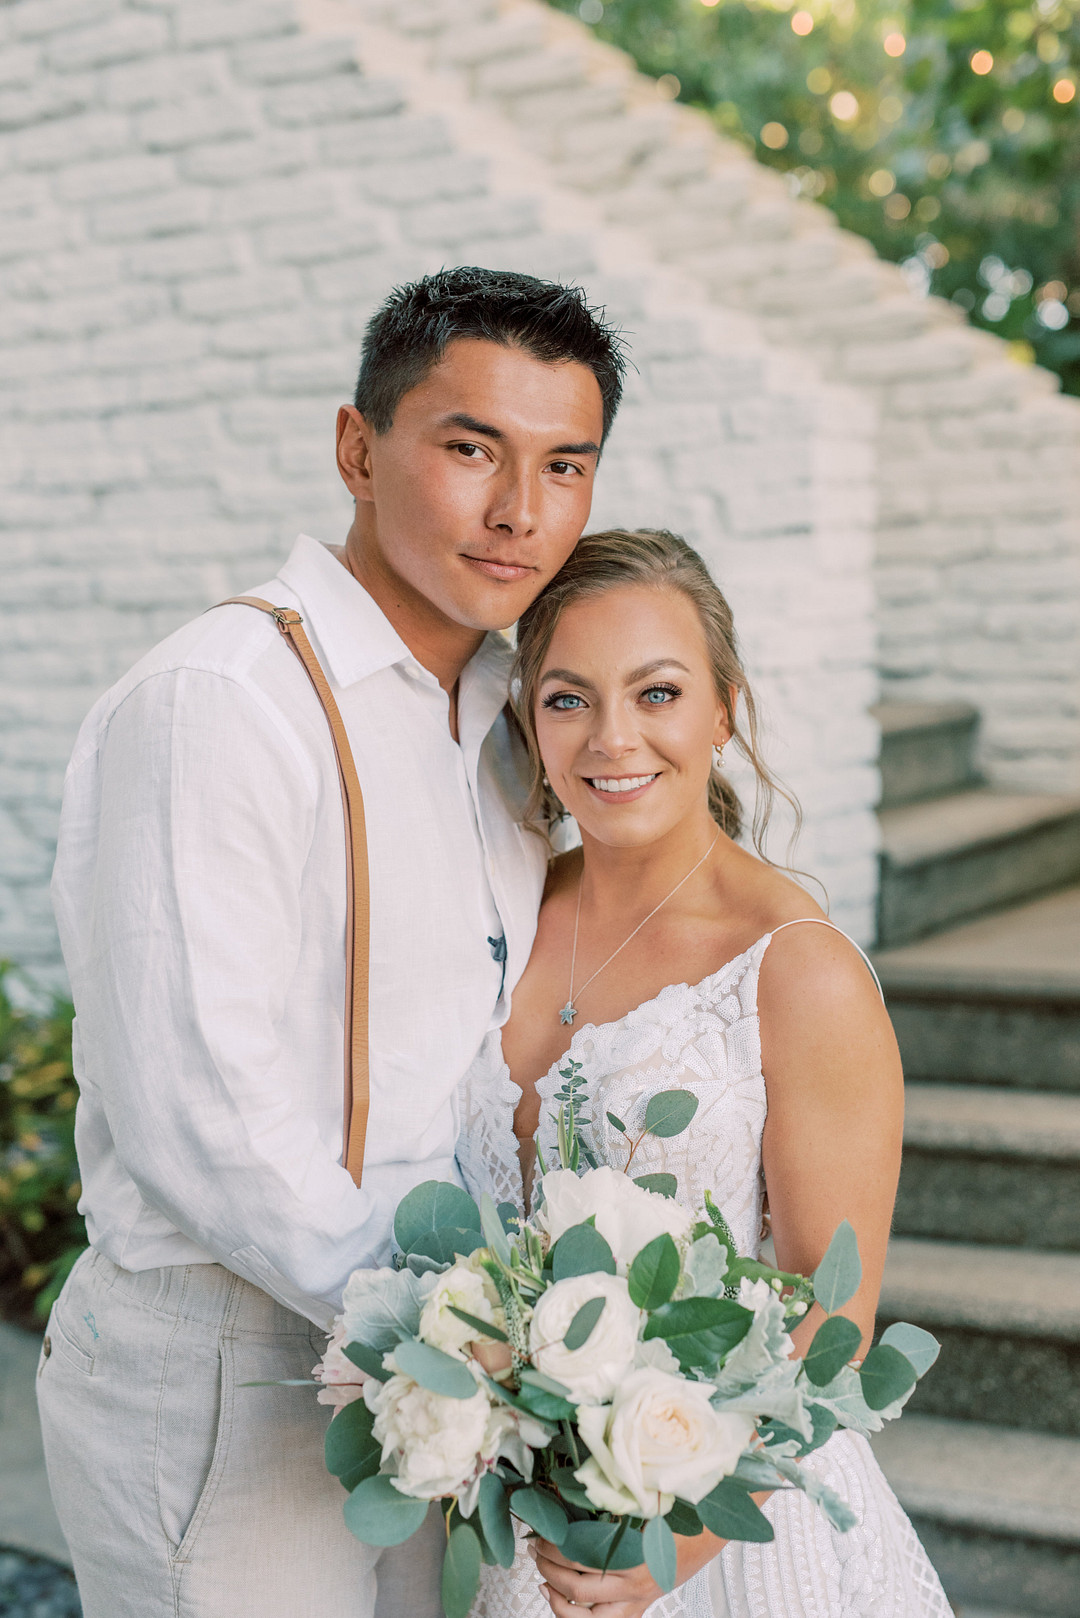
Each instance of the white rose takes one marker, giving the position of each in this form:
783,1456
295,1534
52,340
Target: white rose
626,1215
660,1437
438,1444
463,1286
593,1371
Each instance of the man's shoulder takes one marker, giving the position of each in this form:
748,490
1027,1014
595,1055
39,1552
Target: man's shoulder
227,644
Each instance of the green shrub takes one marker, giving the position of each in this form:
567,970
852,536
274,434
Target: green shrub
41,1231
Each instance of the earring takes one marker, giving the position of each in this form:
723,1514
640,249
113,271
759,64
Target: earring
718,757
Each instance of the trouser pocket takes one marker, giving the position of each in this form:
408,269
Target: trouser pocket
194,1427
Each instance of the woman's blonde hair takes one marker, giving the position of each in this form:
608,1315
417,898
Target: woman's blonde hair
649,556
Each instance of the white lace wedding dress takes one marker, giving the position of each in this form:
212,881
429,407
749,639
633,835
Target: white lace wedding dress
705,1038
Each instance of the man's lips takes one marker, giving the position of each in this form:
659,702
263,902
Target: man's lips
494,568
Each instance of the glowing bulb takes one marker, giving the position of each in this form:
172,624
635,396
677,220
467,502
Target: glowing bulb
982,63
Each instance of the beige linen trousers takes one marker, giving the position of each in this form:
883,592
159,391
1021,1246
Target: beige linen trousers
183,1494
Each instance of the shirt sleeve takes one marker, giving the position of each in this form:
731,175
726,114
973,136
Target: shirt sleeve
207,811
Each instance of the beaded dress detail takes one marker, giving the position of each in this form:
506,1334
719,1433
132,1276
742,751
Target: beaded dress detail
705,1038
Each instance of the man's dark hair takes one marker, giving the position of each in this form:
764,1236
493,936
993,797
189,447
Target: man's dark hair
408,334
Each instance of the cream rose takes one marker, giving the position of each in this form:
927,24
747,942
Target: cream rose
342,1380
593,1371
463,1286
626,1215
438,1444
660,1437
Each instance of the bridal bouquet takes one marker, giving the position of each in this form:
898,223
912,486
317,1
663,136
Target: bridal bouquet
610,1372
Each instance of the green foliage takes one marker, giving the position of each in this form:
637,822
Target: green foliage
661,1553
352,1451
837,1277
731,1512
654,1274
461,1571
379,1514
971,179
581,1250
41,1230
438,1372
835,1341
580,1329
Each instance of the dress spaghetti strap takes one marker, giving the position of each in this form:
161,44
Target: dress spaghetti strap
821,922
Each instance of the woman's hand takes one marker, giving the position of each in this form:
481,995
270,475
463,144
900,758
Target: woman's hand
569,1586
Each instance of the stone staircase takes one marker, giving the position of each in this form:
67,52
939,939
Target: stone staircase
979,953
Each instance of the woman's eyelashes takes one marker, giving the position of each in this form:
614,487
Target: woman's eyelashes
654,696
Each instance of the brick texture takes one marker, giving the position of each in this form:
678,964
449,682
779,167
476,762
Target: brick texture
200,205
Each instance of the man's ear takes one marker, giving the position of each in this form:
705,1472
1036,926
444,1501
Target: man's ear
354,437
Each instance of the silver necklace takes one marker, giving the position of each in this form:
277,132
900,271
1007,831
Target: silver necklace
570,1011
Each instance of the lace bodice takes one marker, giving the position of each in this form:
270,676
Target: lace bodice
705,1038
701,1037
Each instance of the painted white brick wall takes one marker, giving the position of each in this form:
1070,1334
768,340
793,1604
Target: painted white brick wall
978,461
199,207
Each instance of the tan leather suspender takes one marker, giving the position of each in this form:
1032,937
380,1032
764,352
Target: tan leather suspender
358,909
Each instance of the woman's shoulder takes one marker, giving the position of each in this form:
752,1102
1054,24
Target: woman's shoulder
564,873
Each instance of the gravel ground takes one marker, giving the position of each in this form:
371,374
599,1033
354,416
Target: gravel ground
33,1587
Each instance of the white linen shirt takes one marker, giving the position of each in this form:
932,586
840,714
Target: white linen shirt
200,894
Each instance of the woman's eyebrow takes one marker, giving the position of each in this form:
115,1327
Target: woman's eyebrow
570,678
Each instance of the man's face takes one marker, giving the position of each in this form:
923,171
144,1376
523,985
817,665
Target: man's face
482,486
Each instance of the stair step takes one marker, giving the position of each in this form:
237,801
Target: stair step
991,1166
994,1001
998,1511
927,748
1009,1324
957,856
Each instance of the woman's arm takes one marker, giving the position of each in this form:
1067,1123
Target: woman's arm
835,1093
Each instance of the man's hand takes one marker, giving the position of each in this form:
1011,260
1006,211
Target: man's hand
569,1586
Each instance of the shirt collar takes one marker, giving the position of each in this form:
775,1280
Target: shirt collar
354,635
357,639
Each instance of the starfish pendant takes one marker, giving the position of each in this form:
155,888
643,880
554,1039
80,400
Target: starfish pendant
568,1012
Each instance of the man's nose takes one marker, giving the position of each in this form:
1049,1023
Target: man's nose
515,508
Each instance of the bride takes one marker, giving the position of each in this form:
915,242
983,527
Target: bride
667,955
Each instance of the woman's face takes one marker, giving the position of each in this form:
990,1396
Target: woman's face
627,713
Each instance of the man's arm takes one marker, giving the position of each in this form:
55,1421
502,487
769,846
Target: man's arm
208,812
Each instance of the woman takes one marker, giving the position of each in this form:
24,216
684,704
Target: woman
667,955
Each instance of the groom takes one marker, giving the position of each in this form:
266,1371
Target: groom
201,896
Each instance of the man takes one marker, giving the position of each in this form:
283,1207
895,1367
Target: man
201,895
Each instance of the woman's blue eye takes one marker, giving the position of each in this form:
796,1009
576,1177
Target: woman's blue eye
657,695
565,702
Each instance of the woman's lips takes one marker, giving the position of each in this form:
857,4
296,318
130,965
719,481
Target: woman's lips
620,788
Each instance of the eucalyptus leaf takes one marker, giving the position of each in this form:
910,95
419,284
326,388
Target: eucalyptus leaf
494,1234
661,1553
683,1519
593,1544
495,1519
460,1571
616,1123
429,1207
835,1342
369,1360
536,1379
579,1331
915,1345
483,1328
581,1250
699,1331
509,1216
378,1514
654,1274
886,1375
664,1185
446,1244
542,1512
669,1113
434,1370
731,1513
352,1453
837,1277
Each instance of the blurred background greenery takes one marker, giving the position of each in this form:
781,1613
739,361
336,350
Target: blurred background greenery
945,131
41,1230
